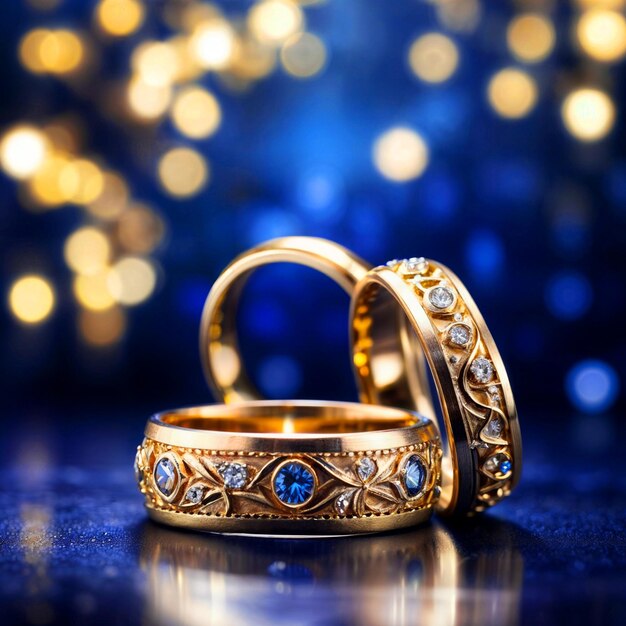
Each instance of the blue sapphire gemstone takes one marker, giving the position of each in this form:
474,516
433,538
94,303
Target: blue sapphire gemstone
166,476
294,483
505,467
414,475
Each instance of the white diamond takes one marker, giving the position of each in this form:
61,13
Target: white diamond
458,317
194,494
482,369
460,334
494,428
393,263
441,297
492,389
365,467
235,475
414,265
343,502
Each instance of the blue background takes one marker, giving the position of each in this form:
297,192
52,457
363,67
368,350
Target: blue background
530,218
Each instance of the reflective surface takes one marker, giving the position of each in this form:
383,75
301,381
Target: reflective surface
76,547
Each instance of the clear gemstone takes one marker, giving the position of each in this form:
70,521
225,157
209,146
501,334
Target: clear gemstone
235,475
492,389
414,475
454,360
365,467
166,476
494,427
343,502
458,317
441,297
194,494
415,265
294,484
499,465
482,369
460,334
393,263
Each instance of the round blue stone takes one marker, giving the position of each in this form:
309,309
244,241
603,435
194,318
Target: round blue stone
505,467
294,483
414,475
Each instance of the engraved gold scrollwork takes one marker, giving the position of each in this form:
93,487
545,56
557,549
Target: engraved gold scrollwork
484,411
341,490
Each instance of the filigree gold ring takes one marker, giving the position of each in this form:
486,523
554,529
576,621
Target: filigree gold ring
219,348
416,307
290,467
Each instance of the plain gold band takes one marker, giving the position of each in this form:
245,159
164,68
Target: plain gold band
221,467
394,326
219,347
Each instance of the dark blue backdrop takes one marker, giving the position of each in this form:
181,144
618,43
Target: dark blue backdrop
532,219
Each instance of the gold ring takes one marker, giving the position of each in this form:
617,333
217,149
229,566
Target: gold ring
484,460
219,348
290,467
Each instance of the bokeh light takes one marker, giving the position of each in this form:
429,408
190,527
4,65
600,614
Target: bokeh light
22,151
102,328
140,230
588,114
303,55
148,101
569,295
592,386
183,172
82,181
433,57
113,198
156,62
512,93
459,15
274,21
485,256
531,37
92,291
52,51
602,34
252,60
120,18
400,154
131,280
196,112
87,250
31,299
51,185
212,44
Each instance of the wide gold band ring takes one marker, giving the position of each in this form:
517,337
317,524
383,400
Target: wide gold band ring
290,467
415,308
219,347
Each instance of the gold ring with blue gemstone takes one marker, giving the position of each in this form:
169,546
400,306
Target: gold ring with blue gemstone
416,312
290,467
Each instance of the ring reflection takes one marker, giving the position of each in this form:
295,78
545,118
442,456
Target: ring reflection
424,576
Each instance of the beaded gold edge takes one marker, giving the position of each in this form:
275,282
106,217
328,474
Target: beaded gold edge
347,485
476,381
